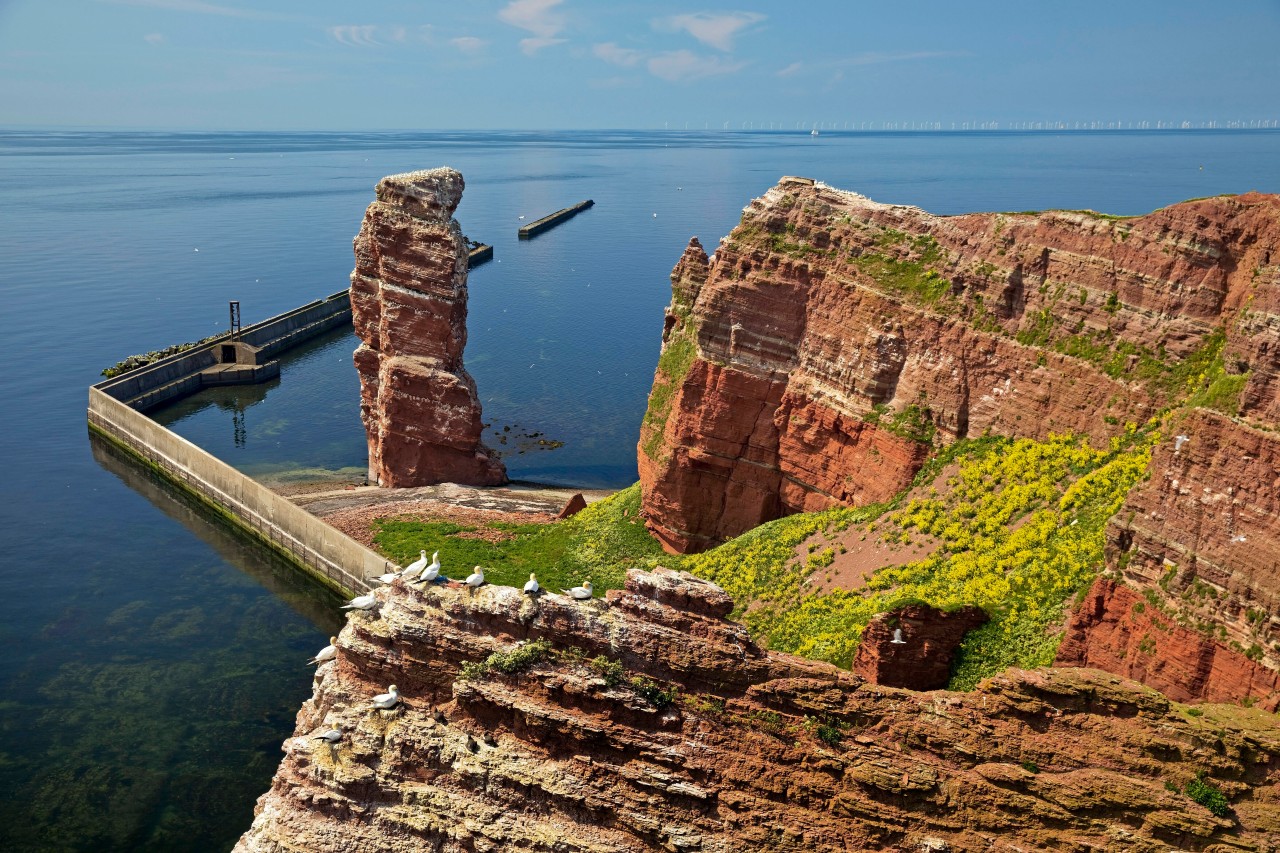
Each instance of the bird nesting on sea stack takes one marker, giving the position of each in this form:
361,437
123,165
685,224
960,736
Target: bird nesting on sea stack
579,593
531,586
476,578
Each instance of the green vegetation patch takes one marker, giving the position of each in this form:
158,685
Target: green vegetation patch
1021,532
673,365
914,422
1208,795
599,544
915,278
1195,375
133,362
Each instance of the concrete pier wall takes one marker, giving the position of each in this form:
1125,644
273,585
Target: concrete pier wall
332,557
116,409
178,375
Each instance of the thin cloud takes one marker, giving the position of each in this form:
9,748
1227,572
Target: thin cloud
468,44
878,58
791,70
536,16
610,52
154,38
712,29
199,7
679,65
531,46
355,35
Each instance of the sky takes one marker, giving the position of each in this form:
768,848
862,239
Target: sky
603,64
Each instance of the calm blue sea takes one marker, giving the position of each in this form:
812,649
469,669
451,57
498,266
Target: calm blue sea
152,661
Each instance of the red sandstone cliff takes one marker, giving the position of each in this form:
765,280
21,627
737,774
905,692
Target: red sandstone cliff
830,340
756,752
1200,540
409,305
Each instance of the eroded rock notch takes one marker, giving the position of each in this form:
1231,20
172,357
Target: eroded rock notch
409,305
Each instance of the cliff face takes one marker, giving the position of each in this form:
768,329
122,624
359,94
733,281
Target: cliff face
751,751
1201,538
1119,630
409,304
831,340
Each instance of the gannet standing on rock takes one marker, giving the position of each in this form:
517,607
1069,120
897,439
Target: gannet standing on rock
476,578
415,568
361,602
331,736
386,701
432,571
581,593
329,652
531,587
386,578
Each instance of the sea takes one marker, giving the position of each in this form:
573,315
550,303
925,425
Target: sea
153,660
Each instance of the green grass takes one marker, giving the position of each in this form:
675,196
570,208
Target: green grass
673,365
598,544
1020,529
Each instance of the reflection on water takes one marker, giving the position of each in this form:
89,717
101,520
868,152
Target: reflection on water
129,756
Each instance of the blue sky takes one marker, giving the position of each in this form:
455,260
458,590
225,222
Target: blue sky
551,64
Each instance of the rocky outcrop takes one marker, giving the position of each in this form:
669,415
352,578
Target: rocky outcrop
645,721
913,646
1118,629
831,341
409,305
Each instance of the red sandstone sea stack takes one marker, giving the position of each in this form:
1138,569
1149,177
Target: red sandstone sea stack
409,304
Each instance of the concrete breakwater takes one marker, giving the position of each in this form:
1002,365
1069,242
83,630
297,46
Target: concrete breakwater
116,412
554,219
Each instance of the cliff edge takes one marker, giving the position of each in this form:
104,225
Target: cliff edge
832,342
646,721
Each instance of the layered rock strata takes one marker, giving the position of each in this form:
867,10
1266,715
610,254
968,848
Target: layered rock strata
1199,538
913,646
409,306
655,724
830,341
1118,629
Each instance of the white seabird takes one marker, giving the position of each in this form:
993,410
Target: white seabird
331,736
476,578
432,571
415,568
581,593
385,578
329,652
361,602
388,700
531,587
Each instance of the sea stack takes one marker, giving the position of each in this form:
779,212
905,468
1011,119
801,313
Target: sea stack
409,304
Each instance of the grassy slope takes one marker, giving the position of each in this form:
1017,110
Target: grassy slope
1021,526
